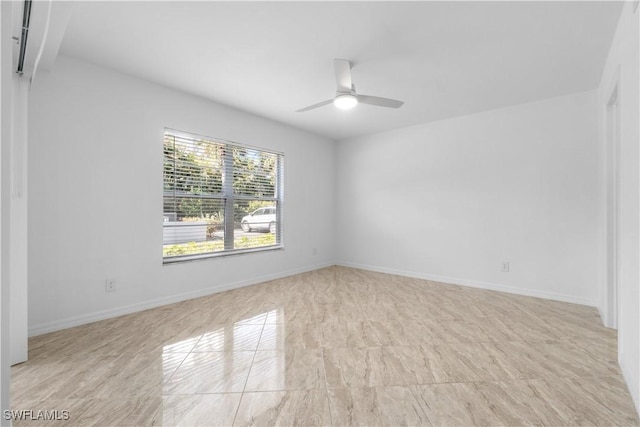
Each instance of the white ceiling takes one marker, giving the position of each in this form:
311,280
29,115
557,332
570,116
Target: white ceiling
444,59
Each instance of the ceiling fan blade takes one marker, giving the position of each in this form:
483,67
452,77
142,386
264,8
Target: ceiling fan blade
380,102
342,68
314,106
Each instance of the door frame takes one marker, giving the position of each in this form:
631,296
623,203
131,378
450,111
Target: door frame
612,135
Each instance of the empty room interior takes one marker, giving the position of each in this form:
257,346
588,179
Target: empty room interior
319,213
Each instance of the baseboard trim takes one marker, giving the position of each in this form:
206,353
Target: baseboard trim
602,318
474,284
70,322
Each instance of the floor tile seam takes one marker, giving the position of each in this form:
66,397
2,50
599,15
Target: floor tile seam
590,377
182,361
245,350
570,340
507,381
525,378
408,386
198,393
415,397
449,343
114,353
394,386
326,387
479,381
242,324
288,389
573,338
246,381
420,345
525,341
563,337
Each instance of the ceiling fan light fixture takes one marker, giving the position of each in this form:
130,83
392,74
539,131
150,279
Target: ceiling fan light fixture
345,101
346,97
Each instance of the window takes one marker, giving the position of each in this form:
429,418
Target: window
219,198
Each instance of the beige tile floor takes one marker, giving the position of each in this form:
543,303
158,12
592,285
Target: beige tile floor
336,346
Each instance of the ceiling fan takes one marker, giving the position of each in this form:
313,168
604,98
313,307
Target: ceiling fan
346,96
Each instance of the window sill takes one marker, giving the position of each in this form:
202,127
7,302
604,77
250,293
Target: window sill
223,254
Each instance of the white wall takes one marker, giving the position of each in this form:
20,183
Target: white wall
451,200
622,67
18,212
95,195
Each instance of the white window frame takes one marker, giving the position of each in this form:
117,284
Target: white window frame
229,197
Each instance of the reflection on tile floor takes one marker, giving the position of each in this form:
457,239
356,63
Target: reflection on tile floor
336,346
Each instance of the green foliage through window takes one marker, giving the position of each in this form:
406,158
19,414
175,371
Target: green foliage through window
214,187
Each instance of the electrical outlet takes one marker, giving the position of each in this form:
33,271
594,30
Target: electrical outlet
110,285
315,251
504,267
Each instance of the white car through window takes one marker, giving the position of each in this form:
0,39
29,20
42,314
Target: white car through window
260,219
